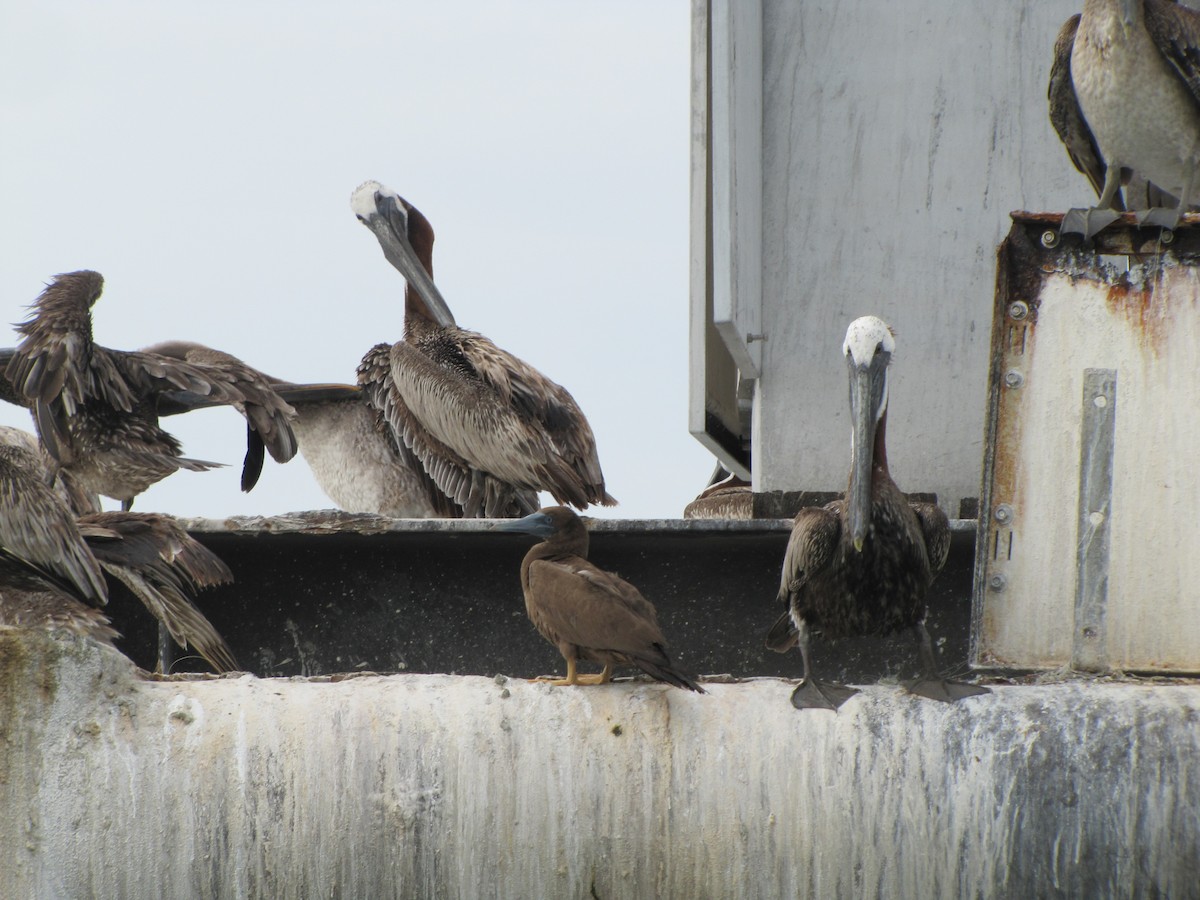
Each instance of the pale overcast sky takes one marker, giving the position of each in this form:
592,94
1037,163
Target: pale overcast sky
201,156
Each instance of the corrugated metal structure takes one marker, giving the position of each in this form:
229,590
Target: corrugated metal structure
1086,549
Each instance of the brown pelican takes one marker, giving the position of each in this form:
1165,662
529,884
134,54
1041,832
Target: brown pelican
97,409
53,566
861,565
489,429
1125,99
353,453
585,612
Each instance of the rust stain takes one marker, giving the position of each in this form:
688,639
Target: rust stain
1144,309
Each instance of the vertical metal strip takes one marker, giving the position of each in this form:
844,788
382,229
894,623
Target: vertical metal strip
1097,428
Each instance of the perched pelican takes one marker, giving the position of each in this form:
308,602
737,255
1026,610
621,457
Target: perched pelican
488,428
353,453
585,612
1125,99
861,565
97,409
53,566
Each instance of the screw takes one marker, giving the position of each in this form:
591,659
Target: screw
1049,239
997,582
1003,514
1013,379
1018,310
1167,236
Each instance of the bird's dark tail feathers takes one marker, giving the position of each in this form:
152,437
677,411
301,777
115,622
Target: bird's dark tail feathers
668,674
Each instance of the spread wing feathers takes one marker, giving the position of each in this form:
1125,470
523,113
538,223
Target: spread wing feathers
57,369
79,500
40,544
936,529
815,534
1175,30
163,566
51,610
470,416
1067,117
393,423
268,416
573,602
475,489
55,352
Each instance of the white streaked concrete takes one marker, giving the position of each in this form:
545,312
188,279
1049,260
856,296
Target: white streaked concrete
423,786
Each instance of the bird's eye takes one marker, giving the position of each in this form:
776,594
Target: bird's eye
879,347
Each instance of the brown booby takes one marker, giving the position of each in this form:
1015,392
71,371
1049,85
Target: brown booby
585,612
96,409
489,429
53,565
861,565
1125,99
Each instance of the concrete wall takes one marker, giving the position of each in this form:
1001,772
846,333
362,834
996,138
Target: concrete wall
443,786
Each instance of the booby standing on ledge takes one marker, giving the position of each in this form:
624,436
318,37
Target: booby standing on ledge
488,428
96,409
1125,99
585,612
861,565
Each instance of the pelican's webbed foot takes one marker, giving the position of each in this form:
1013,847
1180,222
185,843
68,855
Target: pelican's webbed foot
1087,222
937,688
813,694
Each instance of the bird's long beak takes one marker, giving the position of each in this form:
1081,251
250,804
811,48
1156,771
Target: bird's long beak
380,210
866,391
537,523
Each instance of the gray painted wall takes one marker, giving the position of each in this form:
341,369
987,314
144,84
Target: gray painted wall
896,139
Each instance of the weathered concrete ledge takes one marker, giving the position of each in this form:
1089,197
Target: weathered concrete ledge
444,786
335,521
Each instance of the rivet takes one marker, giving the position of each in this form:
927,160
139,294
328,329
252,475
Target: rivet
1003,514
1013,379
1018,309
1167,236
998,582
1049,239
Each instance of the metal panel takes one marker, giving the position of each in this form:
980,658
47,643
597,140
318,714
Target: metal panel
1097,443
1048,593
737,183
324,591
715,413
896,138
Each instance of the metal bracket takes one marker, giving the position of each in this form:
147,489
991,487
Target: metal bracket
1097,439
